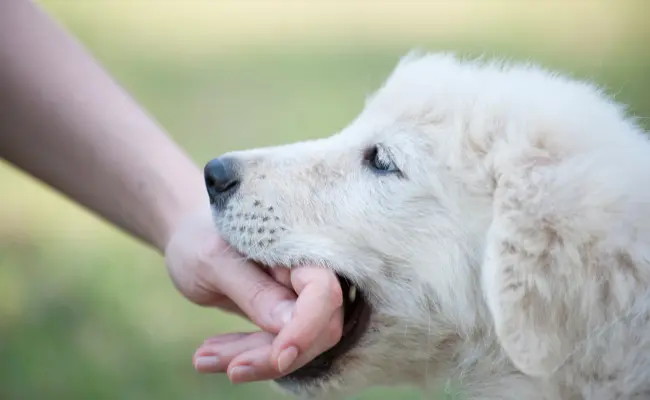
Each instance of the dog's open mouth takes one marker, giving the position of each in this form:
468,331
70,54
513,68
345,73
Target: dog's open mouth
356,320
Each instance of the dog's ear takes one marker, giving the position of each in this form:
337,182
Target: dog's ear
527,272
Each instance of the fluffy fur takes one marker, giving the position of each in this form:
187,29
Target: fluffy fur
510,252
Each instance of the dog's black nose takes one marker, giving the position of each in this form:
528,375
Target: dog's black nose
222,180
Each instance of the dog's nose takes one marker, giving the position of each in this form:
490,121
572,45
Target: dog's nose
222,180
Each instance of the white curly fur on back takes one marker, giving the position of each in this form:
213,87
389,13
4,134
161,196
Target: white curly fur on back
510,254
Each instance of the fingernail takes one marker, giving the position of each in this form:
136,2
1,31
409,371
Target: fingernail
283,312
206,363
241,373
287,358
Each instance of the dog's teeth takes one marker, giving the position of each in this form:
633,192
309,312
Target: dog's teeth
352,294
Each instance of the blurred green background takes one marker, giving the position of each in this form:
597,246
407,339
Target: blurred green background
221,75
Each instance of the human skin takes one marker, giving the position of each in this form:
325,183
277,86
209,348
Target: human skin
66,122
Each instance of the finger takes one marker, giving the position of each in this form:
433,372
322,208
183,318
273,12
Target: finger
327,339
265,301
226,337
317,321
290,360
282,275
215,356
232,308
224,304
253,365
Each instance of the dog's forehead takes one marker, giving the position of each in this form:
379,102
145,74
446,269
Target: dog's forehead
417,94
416,88
373,128
442,89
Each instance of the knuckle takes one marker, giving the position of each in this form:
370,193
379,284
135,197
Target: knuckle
210,248
201,265
205,252
258,293
208,254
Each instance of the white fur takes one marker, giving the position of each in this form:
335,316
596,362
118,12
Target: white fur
511,256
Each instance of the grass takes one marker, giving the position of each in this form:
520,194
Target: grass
85,312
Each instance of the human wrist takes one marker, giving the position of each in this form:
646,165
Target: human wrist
185,200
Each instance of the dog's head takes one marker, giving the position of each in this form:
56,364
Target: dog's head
373,204
397,204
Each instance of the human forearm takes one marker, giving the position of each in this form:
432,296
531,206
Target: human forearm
67,123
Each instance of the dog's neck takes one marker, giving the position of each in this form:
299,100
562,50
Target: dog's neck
470,358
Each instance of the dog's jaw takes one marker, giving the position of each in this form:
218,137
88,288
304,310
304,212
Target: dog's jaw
417,350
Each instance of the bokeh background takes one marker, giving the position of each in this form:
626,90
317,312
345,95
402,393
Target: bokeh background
221,75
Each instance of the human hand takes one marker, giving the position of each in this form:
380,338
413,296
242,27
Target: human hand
295,329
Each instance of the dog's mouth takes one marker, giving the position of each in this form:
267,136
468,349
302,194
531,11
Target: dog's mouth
357,313
356,320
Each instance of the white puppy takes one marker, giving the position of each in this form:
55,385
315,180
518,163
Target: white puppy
490,224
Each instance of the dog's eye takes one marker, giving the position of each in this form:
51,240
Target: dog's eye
379,160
